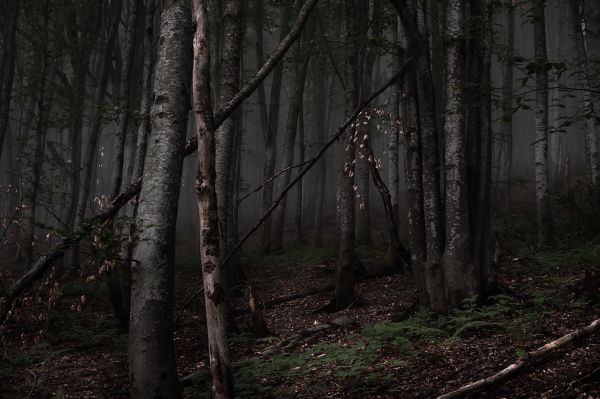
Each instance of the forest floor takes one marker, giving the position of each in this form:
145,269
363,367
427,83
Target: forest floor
77,351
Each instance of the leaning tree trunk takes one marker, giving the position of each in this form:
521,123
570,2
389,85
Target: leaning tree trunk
460,276
301,69
152,360
212,273
544,211
7,69
344,283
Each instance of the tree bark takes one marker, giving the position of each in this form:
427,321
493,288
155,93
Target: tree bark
214,289
296,102
460,277
300,188
344,283
229,85
271,126
544,210
580,30
504,164
153,367
7,68
418,48
395,128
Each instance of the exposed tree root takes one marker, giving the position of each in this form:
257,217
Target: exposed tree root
531,358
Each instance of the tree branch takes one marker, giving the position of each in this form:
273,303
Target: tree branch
527,360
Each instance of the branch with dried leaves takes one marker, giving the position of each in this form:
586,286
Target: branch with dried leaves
45,262
525,361
57,251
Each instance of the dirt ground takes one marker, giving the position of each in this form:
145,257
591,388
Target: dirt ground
75,350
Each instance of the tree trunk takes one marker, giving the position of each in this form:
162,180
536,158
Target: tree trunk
94,134
33,168
118,276
344,283
229,85
214,289
7,69
395,125
272,128
368,56
504,164
124,99
322,119
580,30
153,367
460,275
544,211
418,48
299,187
301,68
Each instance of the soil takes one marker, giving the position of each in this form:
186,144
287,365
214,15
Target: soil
76,351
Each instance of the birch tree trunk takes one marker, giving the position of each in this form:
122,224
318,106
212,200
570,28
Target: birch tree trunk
152,360
544,210
214,289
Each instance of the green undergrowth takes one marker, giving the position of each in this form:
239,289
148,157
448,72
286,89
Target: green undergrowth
292,258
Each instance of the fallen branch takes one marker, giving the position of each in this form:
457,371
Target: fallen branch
45,261
290,343
525,361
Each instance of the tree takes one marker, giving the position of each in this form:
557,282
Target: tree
580,30
301,59
153,367
212,273
344,283
7,67
543,206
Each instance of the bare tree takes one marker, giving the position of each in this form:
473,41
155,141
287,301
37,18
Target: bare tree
7,67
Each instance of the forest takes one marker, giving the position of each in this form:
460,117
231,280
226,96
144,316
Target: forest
299,199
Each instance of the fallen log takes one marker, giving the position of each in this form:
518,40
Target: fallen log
525,361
